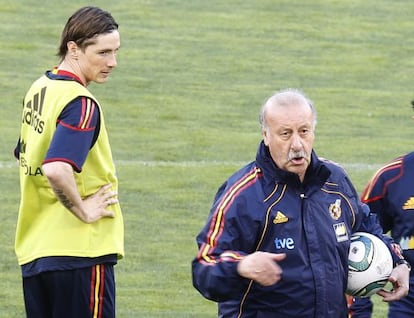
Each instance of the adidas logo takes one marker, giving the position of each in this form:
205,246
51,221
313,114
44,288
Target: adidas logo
280,218
409,204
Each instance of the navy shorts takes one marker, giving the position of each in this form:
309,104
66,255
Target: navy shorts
82,293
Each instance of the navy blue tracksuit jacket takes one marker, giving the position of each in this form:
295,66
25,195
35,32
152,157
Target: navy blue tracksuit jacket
263,208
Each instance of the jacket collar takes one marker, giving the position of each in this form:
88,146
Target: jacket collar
316,174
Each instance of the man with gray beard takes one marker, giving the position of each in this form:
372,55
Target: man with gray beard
276,241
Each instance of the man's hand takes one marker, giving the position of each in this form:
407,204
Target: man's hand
399,278
61,178
96,204
261,267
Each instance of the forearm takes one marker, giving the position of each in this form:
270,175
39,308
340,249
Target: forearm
62,181
218,282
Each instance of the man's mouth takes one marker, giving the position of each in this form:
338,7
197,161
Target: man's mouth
297,160
297,157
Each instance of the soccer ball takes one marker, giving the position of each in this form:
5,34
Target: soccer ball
369,264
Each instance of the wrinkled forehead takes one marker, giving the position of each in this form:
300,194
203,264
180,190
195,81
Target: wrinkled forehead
288,99
296,115
287,108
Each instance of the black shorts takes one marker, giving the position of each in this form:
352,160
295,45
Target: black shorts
82,293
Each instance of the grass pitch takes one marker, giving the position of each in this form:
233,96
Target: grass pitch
182,108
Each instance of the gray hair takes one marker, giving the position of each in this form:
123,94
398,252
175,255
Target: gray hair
285,97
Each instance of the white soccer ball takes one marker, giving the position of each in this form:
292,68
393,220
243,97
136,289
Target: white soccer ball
369,263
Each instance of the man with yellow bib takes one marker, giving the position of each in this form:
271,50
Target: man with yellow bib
70,230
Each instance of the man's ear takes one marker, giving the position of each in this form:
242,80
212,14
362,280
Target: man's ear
73,49
265,136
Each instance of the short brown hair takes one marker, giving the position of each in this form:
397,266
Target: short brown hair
83,26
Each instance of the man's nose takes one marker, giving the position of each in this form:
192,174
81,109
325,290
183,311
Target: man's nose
296,142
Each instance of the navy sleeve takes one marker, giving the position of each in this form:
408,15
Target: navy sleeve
214,270
76,131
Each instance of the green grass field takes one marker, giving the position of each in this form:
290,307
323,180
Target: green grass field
182,108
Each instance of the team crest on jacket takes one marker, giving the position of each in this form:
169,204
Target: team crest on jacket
335,209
